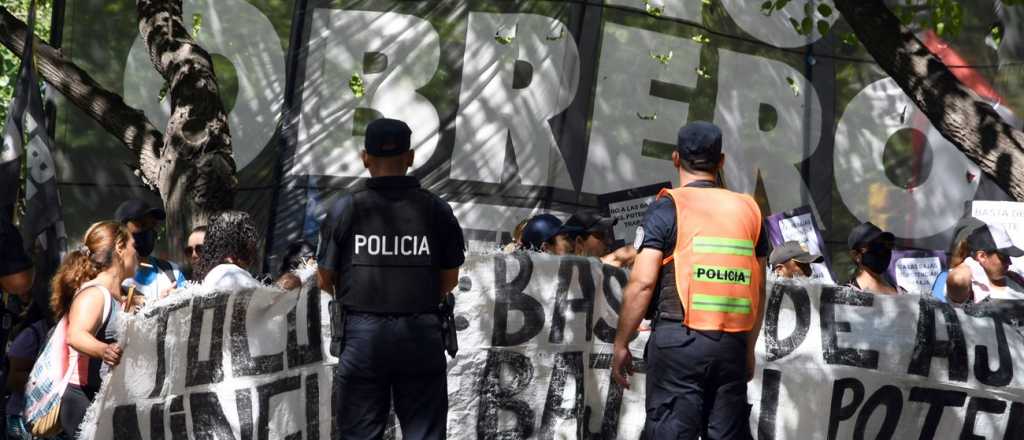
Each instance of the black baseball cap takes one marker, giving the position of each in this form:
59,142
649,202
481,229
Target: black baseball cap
700,143
588,220
387,137
865,233
992,238
541,228
964,227
793,250
137,209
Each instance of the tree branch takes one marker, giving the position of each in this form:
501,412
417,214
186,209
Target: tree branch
963,118
128,124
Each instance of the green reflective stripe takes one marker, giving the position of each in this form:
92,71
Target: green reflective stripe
715,299
722,245
725,304
722,275
720,308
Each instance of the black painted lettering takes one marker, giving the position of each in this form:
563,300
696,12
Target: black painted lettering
581,266
243,363
208,371
771,381
497,395
780,348
979,404
927,347
937,401
125,423
604,331
208,420
1004,374
888,396
313,406
312,351
568,366
243,402
612,402
509,296
830,328
160,378
177,412
267,391
839,412
1015,423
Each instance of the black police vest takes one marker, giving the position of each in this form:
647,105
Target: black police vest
392,244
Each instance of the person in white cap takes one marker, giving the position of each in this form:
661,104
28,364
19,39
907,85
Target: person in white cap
986,275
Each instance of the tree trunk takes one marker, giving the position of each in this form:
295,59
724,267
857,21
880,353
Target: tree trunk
963,118
128,124
197,172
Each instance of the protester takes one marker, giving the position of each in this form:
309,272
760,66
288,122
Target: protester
517,238
194,250
959,250
390,251
699,357
229,250
592,236
792,259
16,274
299,254
871,251
83,291
155,278
30,337
546,233
985,274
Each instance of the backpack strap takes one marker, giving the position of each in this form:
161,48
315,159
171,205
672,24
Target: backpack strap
166,268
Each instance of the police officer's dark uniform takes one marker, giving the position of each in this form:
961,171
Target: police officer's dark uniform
387,243
696,371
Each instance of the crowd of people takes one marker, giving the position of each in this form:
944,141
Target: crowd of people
386,302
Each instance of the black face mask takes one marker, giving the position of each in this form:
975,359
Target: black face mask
876,258
145,241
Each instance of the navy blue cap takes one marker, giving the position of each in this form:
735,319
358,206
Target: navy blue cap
587,220
541,228
387,137
866,233
700,143
137,209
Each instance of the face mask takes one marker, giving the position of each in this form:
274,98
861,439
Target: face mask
876,258
145,241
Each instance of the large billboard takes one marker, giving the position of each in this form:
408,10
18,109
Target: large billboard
522,107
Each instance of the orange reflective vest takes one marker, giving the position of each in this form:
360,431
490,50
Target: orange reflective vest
717,274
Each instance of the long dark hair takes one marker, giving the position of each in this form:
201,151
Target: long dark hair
230,234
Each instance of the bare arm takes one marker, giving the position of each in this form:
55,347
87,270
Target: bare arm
758,321
635,300
449,279
84,319
958,284
325,278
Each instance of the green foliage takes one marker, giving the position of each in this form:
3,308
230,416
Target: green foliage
355,84
9,63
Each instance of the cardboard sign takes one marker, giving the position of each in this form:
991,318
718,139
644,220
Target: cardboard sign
798,225
629,207
916,270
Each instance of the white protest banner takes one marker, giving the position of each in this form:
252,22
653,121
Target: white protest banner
1008,215
535,334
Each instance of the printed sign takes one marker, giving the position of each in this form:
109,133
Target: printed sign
629,207
916,270
798,225
535,334
1008,215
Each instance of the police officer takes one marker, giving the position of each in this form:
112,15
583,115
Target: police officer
703,278
389,252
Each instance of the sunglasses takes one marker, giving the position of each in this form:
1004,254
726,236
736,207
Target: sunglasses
198,250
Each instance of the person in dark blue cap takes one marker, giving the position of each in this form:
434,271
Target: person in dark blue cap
390,252
546,233
702,282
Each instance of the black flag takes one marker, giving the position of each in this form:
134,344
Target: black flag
42,224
